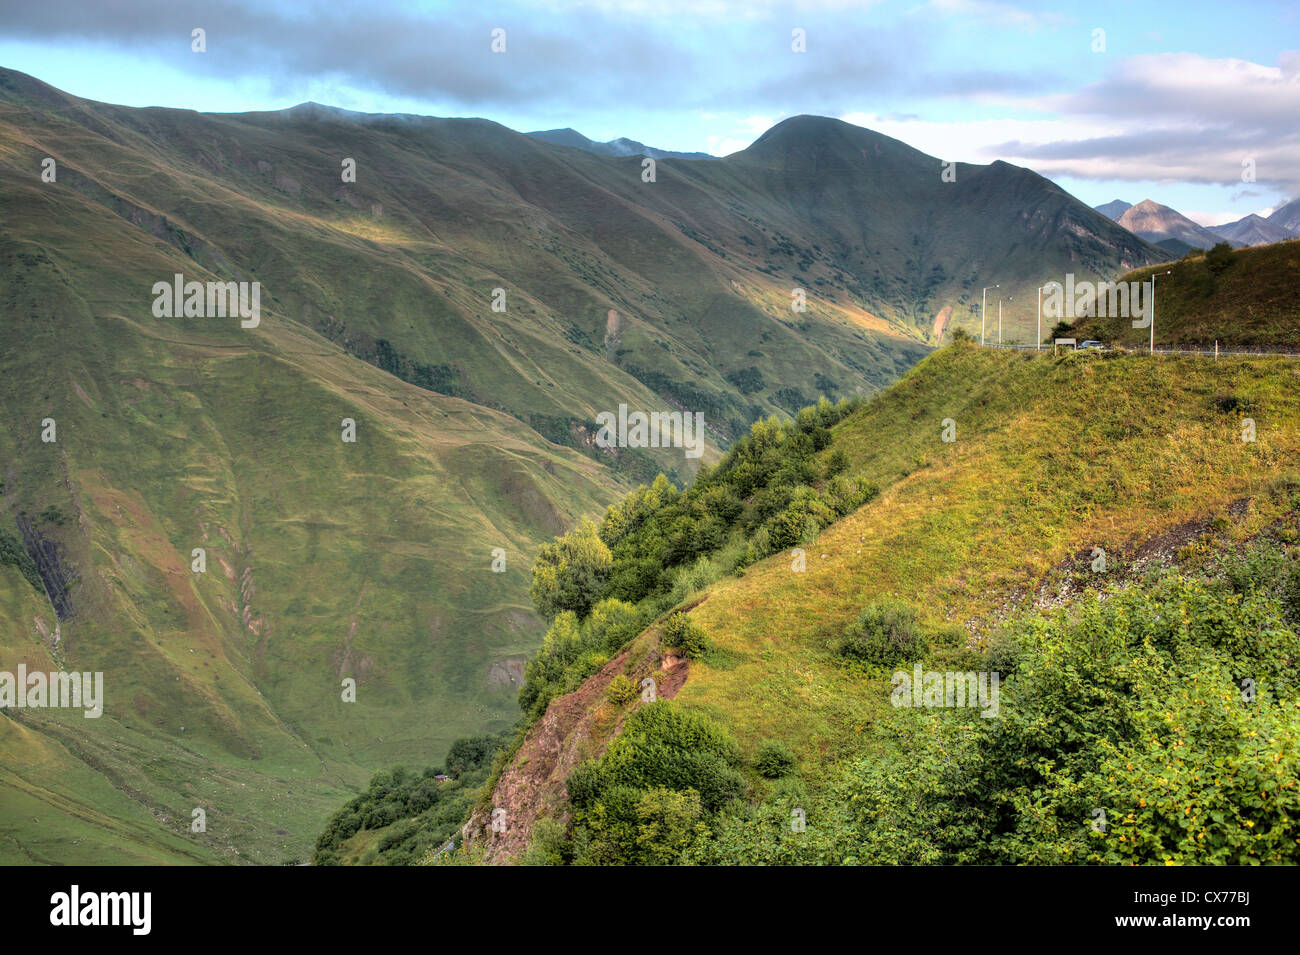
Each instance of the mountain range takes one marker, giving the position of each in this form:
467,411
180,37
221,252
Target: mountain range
614,147
1176,233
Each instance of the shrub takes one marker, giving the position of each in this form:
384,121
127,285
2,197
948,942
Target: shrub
885,634
547,846
584,784
837,463
684,637
1219,258
1003,653
774,761
621,691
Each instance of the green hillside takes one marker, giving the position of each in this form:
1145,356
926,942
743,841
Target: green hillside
978,554
1239,298
611,294
325,560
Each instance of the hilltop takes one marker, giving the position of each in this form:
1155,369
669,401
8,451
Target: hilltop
1244,298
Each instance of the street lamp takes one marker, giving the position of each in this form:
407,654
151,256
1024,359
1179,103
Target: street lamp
1152,307
1009,299
1039,346
984,306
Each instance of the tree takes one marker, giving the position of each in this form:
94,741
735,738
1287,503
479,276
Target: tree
1219,258
570,572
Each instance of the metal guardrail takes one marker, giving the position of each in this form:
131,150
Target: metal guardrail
1221,352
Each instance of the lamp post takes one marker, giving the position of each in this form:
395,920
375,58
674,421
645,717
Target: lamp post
1010,299
1152,306
984,307
1039,345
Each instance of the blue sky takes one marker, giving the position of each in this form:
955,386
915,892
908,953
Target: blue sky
1181,94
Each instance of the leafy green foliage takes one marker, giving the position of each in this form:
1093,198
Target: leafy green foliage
570,572
774,761
885,634
12,552
621,691
572,651
414,812
647,800
685,638
1219,258
1125,736
768,491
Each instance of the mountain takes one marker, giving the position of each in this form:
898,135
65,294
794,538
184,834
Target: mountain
1114,209
911,245
1245,300
1131,557
1253,230
184,504
614,147
1157,223
1287,216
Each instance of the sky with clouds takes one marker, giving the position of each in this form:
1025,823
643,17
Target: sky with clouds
1175,101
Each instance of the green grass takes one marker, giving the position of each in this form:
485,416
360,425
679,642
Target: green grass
1052,457
1252,302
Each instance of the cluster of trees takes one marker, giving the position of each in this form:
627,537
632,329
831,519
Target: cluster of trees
600,585
572,650
418,811
12,552
770,491
663,790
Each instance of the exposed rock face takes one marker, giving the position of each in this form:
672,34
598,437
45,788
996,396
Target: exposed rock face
576,727
55,574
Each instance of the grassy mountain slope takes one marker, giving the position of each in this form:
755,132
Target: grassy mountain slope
907,243
1052,458
442,213
1248,299
325,560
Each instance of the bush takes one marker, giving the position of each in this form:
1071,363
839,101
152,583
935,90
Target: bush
584,784
1003,653
547,846
621,691
685,638
837,463
1219,258
774,761
885,634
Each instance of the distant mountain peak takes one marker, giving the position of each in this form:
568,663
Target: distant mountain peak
1253,229
1114,209
1154,222
1288,217
622,146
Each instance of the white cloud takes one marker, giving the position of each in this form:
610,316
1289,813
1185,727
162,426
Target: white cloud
1160,118
742,133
